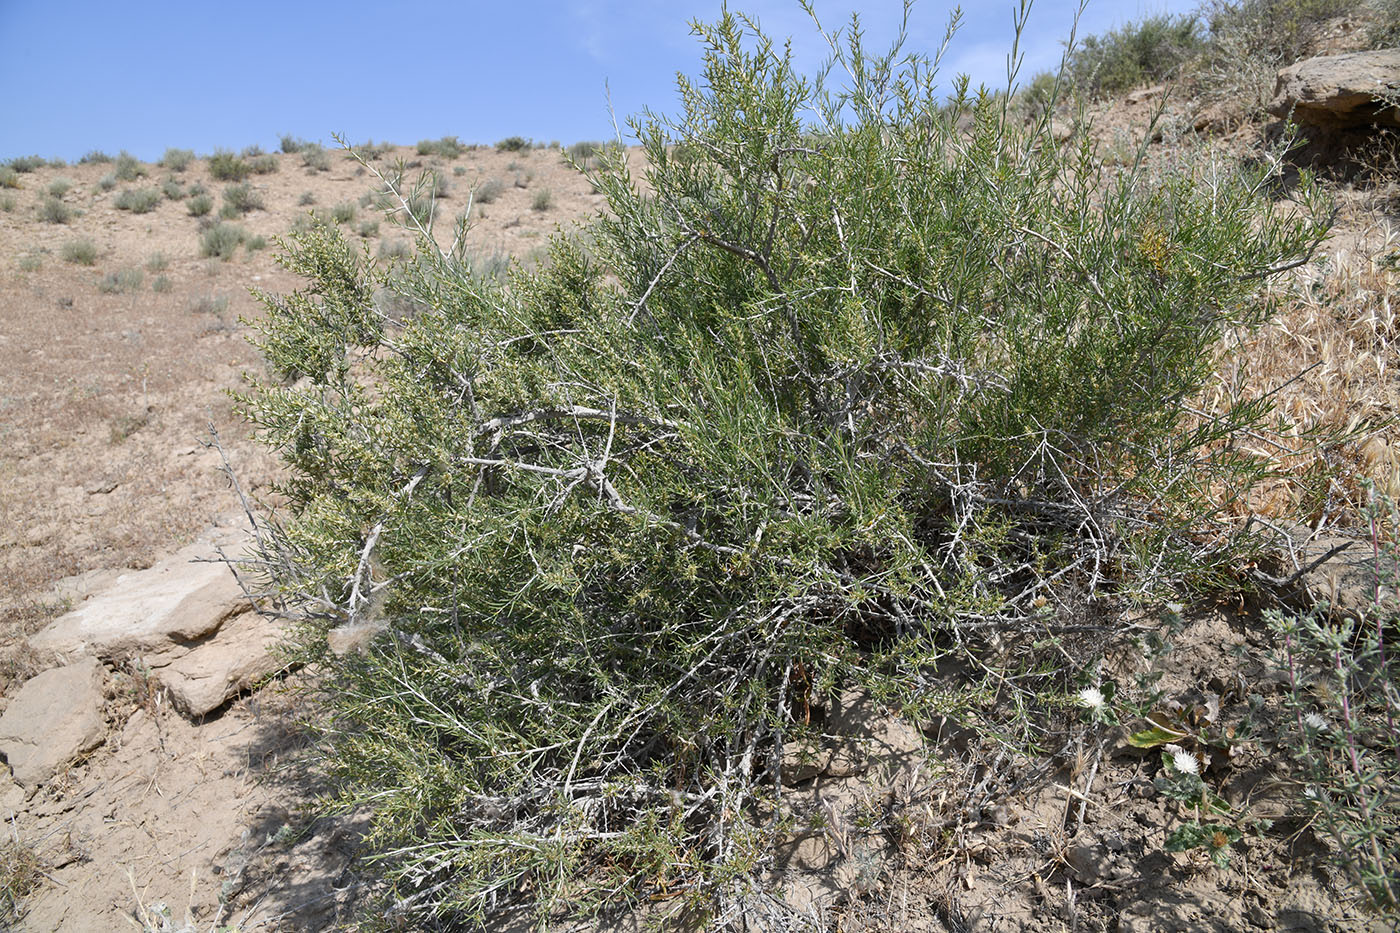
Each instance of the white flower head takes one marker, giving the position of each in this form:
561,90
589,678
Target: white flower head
1183,762
1092,698
1314,721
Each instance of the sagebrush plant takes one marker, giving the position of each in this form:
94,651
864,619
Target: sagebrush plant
82,252
857,378
177,160
228,166
1344,683
138,200
1141,52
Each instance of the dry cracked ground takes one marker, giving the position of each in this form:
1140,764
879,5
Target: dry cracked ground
153,765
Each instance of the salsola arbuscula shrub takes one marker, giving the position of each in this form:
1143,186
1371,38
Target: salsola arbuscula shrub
857,379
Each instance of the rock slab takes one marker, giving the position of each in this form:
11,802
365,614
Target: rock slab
175,602
1340,91
54,717
203,678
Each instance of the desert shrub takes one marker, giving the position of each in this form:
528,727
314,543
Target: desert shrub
1134,54
199,205
54,211
31,263
584,154
542,201
292,144
488,191
1249,41
796,417
107,182
59,187
243,198
172,190
138,200
368,228
263,164
226,166
222,240
307,198
21,870
177,160
26,164
96,156
209,304
315,159
128,167
9,178
81,252
344,212
255,243
1384,31
8,203
392,250
448,147
157,262
162,284
513,144
1343,687
121,281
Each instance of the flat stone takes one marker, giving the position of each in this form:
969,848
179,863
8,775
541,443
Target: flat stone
173,603
53,718
200,678
1338,91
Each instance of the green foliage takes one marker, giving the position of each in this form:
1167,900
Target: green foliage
1135,54
850,378
488,191
543,200
81,252
128,167
368,228
307,198
243,198
227,166
162,284
344,212
293,144
138,200
96,156
157,262
315,159
448,147
107,182
26,164
9,178
59,187
199,205
222,240
1344,685
177,160
121,281
264,164
8,203
1384,31
513,144
54,211
255,243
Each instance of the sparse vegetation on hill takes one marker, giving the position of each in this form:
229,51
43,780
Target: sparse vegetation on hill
228,166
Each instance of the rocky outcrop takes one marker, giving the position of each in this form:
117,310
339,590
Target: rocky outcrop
1340,91
186,619
55,717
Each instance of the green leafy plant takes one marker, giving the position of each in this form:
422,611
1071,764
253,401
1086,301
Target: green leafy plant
1345,694
138,200
222,240
265,164
840,386
243,198
26,164
199,205
291,145
81,252
121,281
9,178
59,187
172,189
54,211
1138,53
95,157
513,144
344,212
128,167
542,201
228,166
177,160
315,158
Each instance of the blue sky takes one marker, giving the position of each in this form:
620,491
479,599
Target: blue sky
141,76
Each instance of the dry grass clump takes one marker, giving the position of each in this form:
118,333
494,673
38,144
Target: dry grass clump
19,874
1331,358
